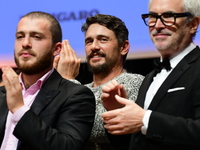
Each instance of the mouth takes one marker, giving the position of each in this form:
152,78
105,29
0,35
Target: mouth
26,54
161,35
96,56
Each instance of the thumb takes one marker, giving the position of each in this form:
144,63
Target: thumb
121,100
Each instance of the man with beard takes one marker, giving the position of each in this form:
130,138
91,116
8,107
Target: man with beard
39,109
166,115
106,47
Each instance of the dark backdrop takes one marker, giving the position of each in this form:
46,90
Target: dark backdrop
140,66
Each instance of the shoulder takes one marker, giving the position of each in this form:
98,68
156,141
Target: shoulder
73,85
129,78
65,87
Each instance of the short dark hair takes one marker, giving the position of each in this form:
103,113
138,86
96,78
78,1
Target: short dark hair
55,28
111,22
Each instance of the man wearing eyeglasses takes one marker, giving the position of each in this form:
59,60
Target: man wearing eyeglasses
166,115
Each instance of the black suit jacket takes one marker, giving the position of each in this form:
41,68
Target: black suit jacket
60,118
175,120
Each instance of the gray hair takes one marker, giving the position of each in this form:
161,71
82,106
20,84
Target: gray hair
191,6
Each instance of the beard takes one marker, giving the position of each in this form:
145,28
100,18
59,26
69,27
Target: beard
42,63
103,68
99,69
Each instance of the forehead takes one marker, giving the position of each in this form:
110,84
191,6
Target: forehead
97,29
27,24
161,6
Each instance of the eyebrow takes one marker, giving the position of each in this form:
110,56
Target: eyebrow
98,36
151,12
31,33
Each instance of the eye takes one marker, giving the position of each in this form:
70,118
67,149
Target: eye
88,41
103,39
152,16
37,37
19,36
167,15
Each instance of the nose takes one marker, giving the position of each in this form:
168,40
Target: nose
95,45
159,24
26,44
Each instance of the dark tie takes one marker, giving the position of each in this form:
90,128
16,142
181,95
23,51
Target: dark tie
160,65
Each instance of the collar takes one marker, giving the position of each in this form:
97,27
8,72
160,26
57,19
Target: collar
39,82
177,58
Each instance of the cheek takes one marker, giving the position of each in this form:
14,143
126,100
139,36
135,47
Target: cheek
17,45
87,50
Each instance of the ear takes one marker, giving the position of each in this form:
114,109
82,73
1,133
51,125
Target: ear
57,48
125,47
194,25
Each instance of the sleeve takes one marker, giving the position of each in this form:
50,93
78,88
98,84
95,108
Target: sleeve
119,142
19,113
145,121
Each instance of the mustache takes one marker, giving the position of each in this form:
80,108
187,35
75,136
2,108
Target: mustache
27,50
155,31
96,53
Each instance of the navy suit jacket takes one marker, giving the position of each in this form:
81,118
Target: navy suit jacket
175,120
60,118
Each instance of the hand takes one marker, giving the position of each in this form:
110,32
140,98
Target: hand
67,63
108,95
125,120
13,89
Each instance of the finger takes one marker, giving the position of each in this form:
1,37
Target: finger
109,86
105,88
10,78
68,50
4,78
72,52
113,126
63,49
110,114
104,96
116,132
122,100
56,61
115,129
122,91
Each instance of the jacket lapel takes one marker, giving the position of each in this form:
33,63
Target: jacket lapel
47,93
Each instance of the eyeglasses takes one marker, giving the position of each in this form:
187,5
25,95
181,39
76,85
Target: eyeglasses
168,18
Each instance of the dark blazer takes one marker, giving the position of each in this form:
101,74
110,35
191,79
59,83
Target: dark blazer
60,118
175,120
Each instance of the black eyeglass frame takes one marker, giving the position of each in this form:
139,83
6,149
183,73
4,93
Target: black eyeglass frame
175,15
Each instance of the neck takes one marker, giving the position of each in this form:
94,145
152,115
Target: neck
103,78
29,80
